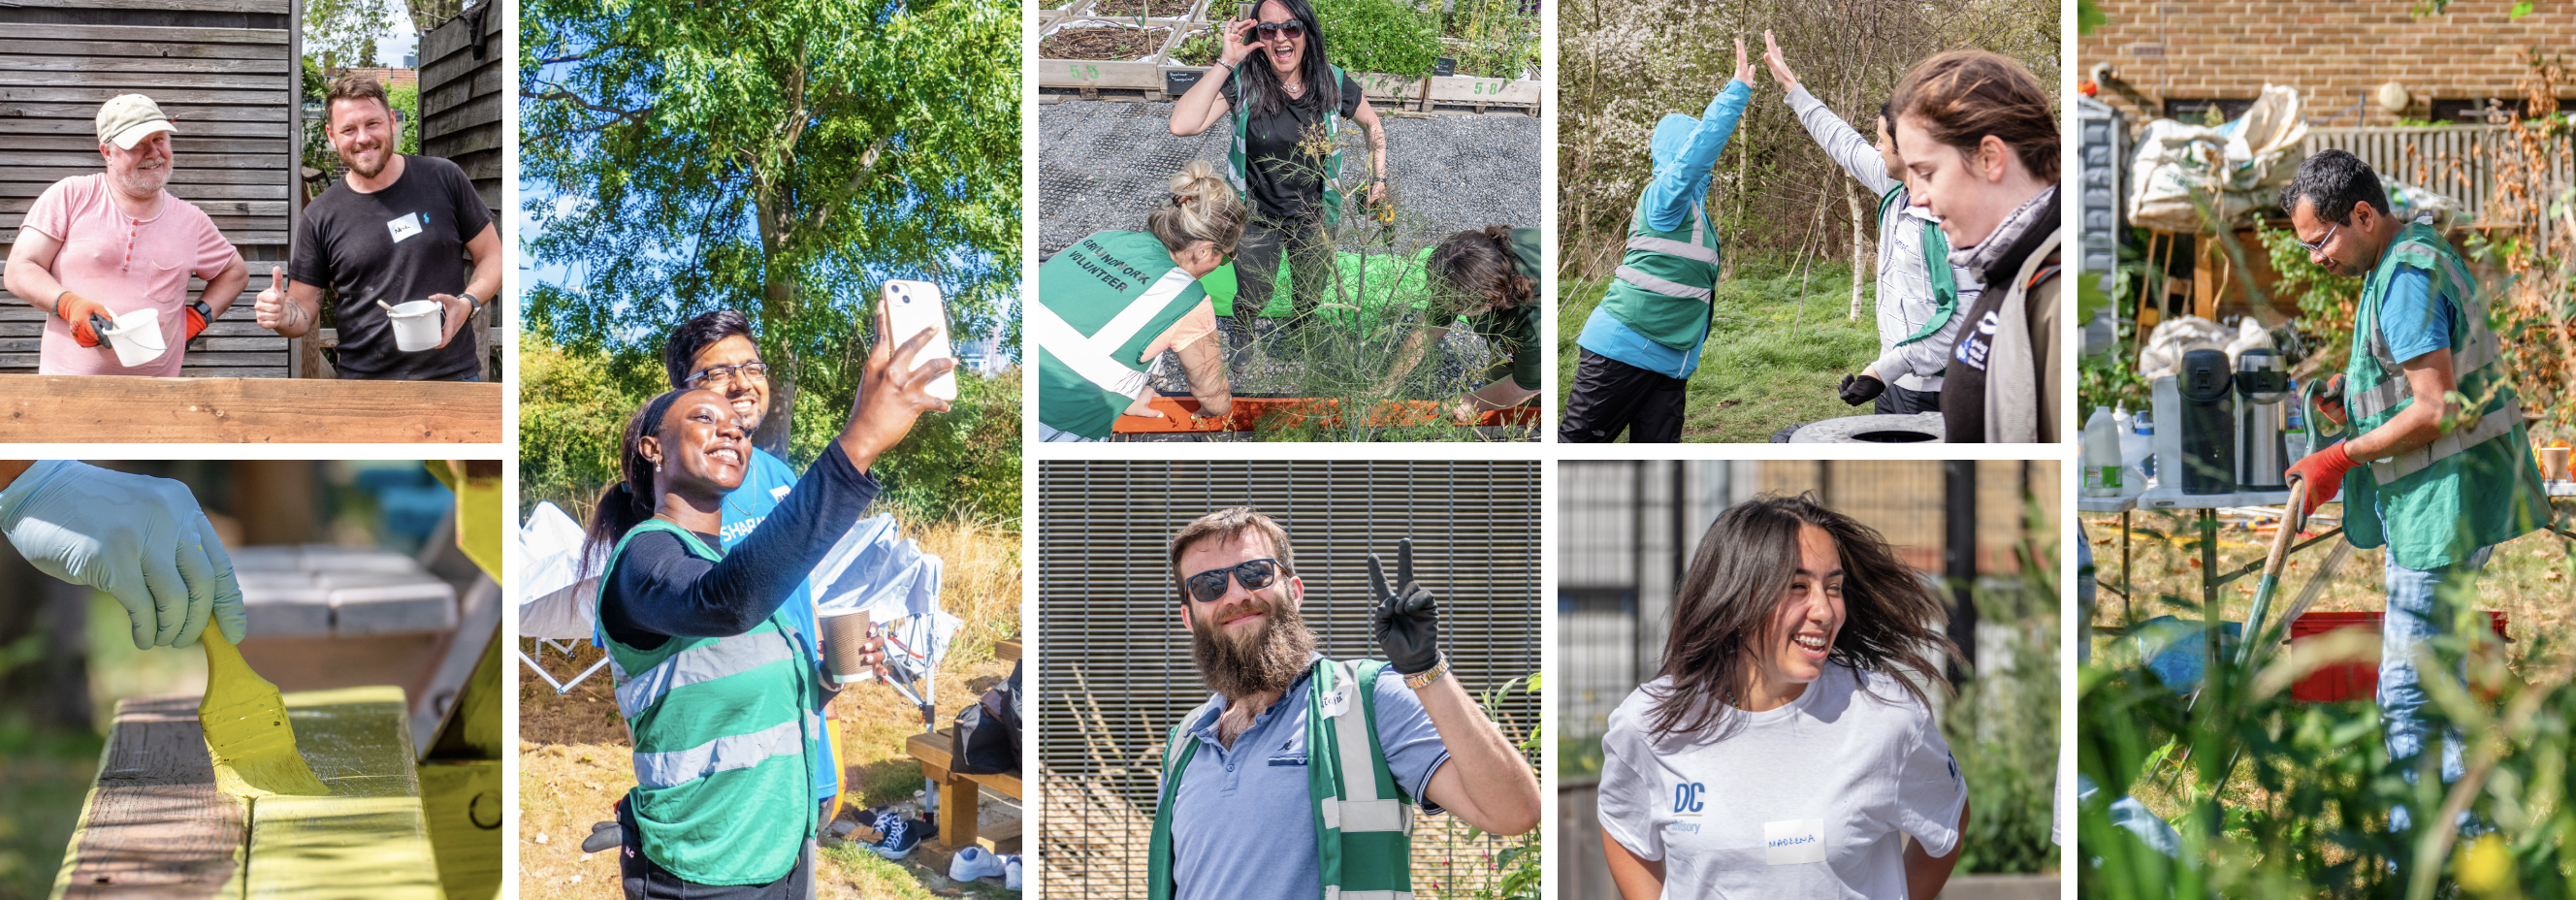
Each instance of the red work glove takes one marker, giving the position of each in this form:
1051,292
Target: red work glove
2323,471
196,313
76,310
2330,402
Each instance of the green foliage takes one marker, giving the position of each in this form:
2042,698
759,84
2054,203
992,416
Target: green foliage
1777,349
573,409
1385,36
1518,862
1496,39
2326,301
2002,725
405,101
964,463
341,34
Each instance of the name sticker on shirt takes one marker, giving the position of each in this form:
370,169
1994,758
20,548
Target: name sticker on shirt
1338,701
1794,842
403,226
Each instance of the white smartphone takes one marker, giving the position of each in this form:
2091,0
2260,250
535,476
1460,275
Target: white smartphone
910,307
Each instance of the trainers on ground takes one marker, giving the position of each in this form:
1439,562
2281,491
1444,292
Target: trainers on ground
1011,872
900,835
973,863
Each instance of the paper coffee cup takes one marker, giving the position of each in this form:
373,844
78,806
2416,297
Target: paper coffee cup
2553,463
845,638
417,324
136,336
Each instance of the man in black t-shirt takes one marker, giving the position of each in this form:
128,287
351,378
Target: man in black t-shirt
396,228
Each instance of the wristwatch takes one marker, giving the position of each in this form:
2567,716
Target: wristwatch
470,301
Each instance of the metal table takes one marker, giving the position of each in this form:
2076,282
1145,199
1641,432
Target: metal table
2162,497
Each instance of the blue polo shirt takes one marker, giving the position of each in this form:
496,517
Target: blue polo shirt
1243,827
2414,321
764,485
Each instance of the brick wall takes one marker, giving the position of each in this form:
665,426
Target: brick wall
2335,52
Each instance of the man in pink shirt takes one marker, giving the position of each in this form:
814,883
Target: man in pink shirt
109,244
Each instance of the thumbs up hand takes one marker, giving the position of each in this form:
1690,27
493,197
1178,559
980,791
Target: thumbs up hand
269,310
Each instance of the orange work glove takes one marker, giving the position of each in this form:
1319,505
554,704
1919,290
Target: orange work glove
76,310
2323,471
197,313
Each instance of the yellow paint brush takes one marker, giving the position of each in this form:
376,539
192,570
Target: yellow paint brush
244,718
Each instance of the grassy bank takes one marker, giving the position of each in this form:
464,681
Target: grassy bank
1768,364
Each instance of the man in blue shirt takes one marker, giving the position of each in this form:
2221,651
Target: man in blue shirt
1640,346
1241,820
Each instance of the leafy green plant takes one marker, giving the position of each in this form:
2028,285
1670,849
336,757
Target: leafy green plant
1517,865
2002,724
2326,301
1385,36
1494,38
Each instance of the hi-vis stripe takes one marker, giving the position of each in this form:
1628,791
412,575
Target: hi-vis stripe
1359,809
1335,893
698,665
1095,357
1642,279
724,754
1697,249
2379,398
2490,426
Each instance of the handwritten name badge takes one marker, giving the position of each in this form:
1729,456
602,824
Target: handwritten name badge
403,226
1794,842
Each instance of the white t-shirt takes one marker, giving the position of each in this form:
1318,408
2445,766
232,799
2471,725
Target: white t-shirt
1801,801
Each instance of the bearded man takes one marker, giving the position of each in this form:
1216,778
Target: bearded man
1301,776
393,229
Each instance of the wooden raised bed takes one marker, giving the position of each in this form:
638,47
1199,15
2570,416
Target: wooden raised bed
134,409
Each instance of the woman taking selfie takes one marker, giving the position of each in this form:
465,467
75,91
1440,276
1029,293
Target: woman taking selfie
713,680
1284,106
1788,747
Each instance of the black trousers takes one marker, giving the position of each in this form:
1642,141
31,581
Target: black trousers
1611,396
645,879
1256,268
1901,402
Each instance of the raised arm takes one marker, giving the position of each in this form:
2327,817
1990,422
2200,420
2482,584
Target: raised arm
1678,185
1856,154
1486,782
1204,105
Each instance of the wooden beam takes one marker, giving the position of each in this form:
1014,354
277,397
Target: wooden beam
154,824
167,35
127,409
251,6
368,837
143,49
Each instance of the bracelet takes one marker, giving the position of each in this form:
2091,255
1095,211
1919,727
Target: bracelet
1424,678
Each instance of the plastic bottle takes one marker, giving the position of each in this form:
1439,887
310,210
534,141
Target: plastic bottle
2137,450
2101,455
2145,453
2294,428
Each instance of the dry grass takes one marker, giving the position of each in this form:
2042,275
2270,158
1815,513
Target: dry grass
574,752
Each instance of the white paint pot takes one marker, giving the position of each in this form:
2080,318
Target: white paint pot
417,324
136,336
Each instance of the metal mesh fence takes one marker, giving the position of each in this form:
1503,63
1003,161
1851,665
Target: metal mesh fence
1115,669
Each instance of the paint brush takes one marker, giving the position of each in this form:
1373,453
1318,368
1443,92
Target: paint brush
244,718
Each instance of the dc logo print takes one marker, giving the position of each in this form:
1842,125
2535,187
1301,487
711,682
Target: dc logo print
1686,797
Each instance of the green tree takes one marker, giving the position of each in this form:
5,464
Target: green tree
782,157
341,34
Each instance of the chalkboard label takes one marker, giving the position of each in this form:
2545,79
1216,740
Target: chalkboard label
1445,66
1179,81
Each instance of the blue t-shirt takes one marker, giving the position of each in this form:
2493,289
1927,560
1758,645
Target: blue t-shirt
2413,320
1250,802
764,484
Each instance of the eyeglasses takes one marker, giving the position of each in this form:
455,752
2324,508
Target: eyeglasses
1252,574
2320,245
719,376
1268,30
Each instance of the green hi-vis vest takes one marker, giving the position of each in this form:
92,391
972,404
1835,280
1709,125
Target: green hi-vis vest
1101,302
2474,486
724,794
1666,280
1238,157
1363,822
1936,269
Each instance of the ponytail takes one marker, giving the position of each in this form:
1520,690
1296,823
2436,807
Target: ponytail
1475,268
1202,207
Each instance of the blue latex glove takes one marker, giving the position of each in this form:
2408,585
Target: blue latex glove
141,539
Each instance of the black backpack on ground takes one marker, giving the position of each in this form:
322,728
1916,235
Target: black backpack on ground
986,740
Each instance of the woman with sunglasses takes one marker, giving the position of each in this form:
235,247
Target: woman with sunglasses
1278,105
1788,747
1980,137
716,685
1113,302
1487,280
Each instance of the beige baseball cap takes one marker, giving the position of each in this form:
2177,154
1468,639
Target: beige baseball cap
128,118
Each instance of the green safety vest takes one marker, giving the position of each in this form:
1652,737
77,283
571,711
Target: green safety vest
2474,486
1936,269
1101,302
1239,157
1363,826
724,794
1666,280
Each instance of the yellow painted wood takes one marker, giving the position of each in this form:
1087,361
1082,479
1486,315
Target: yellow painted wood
368,838
154,824
463,802
247,728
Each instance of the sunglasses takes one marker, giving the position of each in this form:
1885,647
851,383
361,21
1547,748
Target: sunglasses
1254,575
1267,30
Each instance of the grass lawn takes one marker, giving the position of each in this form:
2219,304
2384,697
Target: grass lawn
1766,365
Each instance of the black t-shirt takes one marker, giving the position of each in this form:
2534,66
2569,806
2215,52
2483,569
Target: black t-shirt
1284,182
399,244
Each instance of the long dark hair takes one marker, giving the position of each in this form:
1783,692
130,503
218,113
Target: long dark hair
1474,267
1743,565
1323,91
630,501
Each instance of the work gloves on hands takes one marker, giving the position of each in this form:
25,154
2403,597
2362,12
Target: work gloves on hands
141,539
1859,389
76,310
198,314
2323,472
1407,621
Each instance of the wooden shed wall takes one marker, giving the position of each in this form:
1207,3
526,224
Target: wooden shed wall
461,68
225,73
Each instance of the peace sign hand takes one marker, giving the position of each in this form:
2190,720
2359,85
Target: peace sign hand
1406,623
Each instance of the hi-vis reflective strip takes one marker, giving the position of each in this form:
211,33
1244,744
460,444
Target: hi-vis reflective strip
724,754
1095,357
2490,426
1334,893
1653,284
697,665
2381,397
1359,809
1697,249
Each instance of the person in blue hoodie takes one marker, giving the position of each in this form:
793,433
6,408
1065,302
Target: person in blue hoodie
1641,344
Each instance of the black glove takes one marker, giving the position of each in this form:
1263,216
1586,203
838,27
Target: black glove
1859,389
1407,623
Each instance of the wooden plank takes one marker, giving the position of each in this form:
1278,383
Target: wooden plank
181,176
369,837
478,139
1007,650
197,128
94,95
183,145
14,31
448,94
931,749
83,62
85,111
200,348
454,69
181,162
120,409
154,824
279,7
145,49
462,799
482,110
452,38
152,83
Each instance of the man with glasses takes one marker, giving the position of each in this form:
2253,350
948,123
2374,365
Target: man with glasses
1300,777
2438,468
